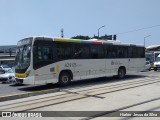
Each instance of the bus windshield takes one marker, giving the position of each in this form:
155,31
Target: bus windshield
23,56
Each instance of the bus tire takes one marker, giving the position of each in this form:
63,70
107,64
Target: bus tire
155,69
121,72
64,78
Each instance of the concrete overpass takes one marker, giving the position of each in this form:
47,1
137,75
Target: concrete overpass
7,54
153,48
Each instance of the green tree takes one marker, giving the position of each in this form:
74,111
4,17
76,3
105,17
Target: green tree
81,37
106,37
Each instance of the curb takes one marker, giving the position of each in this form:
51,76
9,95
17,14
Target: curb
28,94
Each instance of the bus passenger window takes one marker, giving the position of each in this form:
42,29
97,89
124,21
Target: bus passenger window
43,55
39,55
94,52
81,52
64,51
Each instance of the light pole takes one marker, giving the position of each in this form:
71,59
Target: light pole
99,29
145,39
62,35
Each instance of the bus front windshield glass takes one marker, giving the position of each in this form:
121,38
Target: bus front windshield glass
23,56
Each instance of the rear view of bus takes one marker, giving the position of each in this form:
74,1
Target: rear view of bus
23,61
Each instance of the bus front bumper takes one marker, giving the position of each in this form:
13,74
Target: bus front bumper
19,81
27,80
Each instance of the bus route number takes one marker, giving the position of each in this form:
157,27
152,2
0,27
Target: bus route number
70,65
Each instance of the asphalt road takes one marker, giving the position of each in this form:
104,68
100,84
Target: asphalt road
10,89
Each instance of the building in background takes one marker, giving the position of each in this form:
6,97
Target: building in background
7,55
153,48
152,52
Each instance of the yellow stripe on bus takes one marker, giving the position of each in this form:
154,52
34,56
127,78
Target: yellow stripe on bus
23,75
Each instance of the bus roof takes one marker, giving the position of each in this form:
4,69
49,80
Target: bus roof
91,41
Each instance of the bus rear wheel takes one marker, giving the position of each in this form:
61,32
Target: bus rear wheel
64,78
121,73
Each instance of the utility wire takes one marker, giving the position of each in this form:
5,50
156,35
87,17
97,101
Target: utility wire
138,29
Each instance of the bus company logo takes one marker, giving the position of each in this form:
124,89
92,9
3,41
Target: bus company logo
115,62
6,114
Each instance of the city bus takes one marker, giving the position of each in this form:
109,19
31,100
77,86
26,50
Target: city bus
43,60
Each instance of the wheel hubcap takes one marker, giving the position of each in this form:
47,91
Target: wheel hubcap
65,79
121,73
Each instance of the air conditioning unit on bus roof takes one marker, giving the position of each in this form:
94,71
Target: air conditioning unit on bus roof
112,41
92,40
107,41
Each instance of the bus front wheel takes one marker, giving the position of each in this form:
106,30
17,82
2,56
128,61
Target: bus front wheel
64,78
121,73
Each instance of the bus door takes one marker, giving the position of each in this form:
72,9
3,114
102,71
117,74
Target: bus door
131,59
82,69
110,55
97,61
42,59
81,57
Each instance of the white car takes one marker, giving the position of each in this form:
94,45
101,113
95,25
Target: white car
7,75
148,65
157,63
4,67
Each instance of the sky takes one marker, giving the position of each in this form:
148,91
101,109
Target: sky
24,18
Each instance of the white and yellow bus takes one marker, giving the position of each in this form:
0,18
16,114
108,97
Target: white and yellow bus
43,60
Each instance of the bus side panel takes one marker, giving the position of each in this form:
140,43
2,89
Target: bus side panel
136,64
91,68
45,75
112,65
50,73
